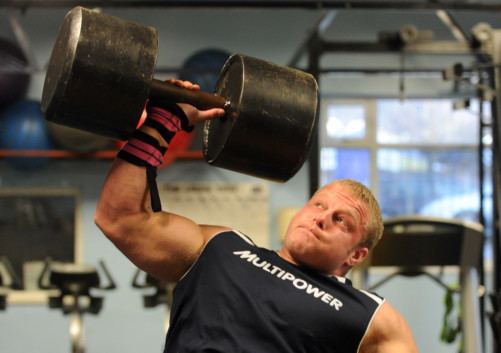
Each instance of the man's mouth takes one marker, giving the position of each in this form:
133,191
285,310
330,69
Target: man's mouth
310,231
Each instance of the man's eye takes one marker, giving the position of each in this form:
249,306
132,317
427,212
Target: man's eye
339,219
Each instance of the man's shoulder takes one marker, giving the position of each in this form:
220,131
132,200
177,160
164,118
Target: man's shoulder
211,231
221,238
388,331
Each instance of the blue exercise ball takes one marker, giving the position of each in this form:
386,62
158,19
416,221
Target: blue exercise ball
203,67
23,126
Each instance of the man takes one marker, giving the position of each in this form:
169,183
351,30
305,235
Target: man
232,296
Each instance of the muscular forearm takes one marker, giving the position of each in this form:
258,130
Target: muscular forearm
125,191
162,244
126,188
151,240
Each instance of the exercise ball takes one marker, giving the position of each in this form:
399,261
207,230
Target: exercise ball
23,126
14,75
76,140
203,67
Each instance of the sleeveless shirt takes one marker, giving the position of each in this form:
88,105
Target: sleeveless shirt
240,298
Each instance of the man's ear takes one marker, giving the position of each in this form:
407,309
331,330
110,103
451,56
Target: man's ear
358,255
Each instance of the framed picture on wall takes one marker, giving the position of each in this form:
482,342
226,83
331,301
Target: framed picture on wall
36,224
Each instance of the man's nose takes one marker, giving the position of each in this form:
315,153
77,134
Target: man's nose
320,221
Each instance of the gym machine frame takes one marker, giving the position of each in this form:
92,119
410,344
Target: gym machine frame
162,295
405,245
74,283
12,282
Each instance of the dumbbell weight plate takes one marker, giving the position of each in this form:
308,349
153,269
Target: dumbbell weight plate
99,73
268,129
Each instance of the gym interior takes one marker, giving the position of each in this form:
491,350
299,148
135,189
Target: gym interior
408,105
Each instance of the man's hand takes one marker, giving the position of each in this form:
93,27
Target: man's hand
193,114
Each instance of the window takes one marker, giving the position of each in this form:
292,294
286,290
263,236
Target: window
419,156
345,121
425,122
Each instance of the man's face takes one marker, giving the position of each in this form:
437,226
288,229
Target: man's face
325,233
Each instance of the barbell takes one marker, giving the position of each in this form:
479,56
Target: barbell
100,75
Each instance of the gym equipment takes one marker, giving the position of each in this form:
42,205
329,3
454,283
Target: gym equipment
407,243
12,282
14,75
22,126
74,282
203,67
100,76
162,295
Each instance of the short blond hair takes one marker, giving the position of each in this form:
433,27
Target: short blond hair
374,227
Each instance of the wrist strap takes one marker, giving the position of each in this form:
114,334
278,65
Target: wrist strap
144,150
169,110
151,178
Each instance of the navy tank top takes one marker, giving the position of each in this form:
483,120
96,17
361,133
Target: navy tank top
240,298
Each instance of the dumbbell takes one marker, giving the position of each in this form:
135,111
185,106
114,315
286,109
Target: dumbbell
100,76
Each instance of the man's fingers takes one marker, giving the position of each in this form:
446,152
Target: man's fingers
211,113
193,86
185,84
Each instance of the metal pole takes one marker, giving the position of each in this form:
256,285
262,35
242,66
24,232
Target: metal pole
76,331
495,80
470,311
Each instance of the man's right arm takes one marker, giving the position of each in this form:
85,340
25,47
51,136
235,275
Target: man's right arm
160,243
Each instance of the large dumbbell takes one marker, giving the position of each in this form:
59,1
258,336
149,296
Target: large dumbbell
100,75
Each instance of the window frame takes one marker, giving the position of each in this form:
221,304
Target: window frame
370,141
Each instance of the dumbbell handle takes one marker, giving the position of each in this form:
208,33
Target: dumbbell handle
199,99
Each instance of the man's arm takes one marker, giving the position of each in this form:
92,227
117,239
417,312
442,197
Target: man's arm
388,333
160,243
